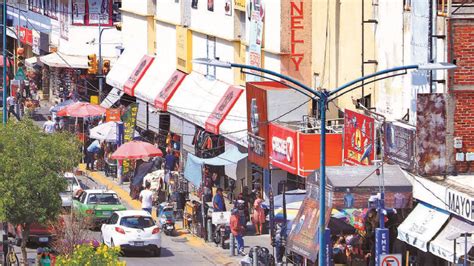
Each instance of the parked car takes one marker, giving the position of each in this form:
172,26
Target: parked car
72,187
40,234
132,230
97,205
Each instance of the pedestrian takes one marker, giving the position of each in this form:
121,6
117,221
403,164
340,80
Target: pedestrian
146,198
49,126
45,259
218,202
237,230
11,103
171,163
258,216
92,150
241,205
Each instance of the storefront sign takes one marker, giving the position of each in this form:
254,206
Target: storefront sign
257,125
255,40
283,148
431,134
35,45
460,204
239,5
399,144
296,26
112,114
222,108
137,74
99,11
129,119
381,243
78,11
64,19
359,148
161,101
26,36
183,49
303,238
220,218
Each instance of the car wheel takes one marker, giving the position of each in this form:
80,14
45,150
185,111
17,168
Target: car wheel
157,252
112,245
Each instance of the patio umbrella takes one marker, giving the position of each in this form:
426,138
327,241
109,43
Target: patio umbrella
82,109
136,150
106,132
62,105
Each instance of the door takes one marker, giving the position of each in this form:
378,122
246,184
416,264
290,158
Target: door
109,228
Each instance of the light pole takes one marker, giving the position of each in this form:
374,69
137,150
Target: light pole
323,97
4,42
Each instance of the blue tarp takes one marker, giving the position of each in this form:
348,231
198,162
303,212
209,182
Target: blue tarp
193,171
61,105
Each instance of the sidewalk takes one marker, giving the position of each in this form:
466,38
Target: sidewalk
221,256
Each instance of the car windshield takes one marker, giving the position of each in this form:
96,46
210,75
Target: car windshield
138,222
71,183
103,198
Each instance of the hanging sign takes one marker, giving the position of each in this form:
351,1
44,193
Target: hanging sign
359,146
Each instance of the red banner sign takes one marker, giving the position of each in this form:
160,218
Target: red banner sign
283,143
25,35
222,109
112,114
161,101
359,147
137,74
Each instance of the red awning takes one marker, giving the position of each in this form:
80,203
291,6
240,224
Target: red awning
137,74
222,109
162,99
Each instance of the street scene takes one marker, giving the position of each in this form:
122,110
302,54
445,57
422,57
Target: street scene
237,132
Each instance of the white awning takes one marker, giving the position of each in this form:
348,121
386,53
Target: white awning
113,96
30,62
153,81
443,245
196,98
422,225
123,68
234,126
66,61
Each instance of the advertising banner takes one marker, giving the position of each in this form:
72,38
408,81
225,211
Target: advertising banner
35,46
257,124
222,108
399,145
64,19
112,114
25,35
129,121
359,133
161,101
381,243
99,11
283,144
431,134
137,74
78,11
256,14
303,238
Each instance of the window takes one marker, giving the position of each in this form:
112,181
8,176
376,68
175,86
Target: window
51,8
83,197
103,198
138,222
113,219
35,5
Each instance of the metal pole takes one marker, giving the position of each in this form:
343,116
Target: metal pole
465,249
100,62
232,244
203,221
454,253
322,182
4,41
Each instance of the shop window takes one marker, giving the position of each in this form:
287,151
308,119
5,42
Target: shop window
51,8
295,182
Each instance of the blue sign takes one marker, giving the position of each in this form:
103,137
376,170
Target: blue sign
381,243
120,133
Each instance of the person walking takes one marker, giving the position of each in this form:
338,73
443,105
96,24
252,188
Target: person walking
49,126
237,230
92,150
11,103
146,198
258,216
171,164
218,201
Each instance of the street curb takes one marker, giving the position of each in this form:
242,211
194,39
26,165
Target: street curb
135,204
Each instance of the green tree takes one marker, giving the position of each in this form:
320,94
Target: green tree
31,168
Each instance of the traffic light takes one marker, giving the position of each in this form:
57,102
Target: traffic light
92,63
105,66
20,57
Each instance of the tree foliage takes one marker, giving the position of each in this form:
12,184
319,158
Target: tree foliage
31,167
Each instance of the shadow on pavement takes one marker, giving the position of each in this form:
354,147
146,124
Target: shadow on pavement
141,254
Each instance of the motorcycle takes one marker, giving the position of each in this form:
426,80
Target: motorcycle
221,234
264,257
167,220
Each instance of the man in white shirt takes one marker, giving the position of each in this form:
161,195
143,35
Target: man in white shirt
11,103
146,198
48,126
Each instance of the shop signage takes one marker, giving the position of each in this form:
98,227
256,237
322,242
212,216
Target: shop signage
220,218
222,109
129,119
390,260
257,125
381,243
283,144
137,75
78,11
35,45
460,204
161,101
257,145
183,49
431,123
112,114
99,11
239,5
25,35
399,144
255,38
296,26
359,148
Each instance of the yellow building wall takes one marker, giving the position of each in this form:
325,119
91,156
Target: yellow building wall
337,47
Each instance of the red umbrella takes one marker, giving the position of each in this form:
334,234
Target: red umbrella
136,150
82,109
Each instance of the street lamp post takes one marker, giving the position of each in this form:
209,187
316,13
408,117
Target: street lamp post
324,97
4,42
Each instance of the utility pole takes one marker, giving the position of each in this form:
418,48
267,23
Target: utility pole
4,42
100,61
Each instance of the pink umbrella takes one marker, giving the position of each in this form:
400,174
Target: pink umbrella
136,150
82,109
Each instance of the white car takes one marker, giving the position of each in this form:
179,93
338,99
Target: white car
73,185
132,230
